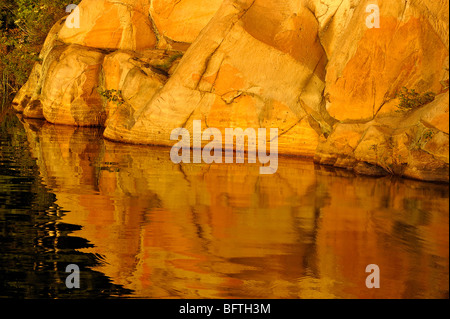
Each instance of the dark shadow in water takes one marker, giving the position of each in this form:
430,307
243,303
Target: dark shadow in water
35,246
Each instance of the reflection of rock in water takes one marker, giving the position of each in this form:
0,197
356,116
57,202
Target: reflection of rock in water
221,230
35,245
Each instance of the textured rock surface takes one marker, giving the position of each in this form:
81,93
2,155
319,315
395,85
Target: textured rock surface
137,76
112,25
312,69
178,22
367,67
403,145
224,84
69,94
140,24
65,87
29,94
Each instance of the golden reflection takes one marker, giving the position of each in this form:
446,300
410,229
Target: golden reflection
225,231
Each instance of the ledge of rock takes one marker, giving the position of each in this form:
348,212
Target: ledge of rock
312,69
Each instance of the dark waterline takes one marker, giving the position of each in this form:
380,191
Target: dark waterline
140,226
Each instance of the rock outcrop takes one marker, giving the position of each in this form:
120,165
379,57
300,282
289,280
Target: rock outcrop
112,25
315,70
413,145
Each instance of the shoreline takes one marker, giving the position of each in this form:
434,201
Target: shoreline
353,170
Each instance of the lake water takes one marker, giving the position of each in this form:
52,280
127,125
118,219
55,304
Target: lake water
139,226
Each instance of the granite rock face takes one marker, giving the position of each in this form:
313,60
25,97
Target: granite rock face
112,25
246,73
316,70
414,145
367,67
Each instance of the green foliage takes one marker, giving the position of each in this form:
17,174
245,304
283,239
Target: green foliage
24,25
7,14
175,57
36,18
428,135
113,96
423,138
20,57
411,100
168,62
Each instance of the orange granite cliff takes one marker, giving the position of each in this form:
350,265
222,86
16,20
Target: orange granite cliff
316,70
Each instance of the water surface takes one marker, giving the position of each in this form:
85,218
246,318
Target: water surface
140,226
